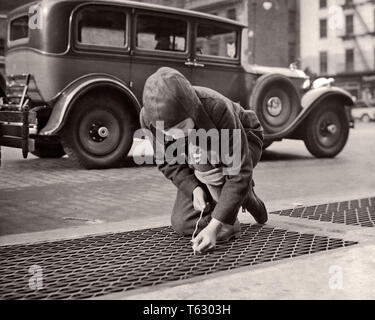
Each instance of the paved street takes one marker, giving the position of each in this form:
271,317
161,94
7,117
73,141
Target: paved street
61,201
39,194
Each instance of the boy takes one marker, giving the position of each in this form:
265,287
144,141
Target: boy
169,97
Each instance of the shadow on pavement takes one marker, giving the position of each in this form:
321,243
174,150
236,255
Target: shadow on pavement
60,164
269,155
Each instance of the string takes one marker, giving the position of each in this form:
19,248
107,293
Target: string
196,226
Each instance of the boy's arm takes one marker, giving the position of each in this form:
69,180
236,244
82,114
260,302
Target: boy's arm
236,185
181,175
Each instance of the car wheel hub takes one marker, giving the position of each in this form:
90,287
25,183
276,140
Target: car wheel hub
103,132
98,133
274,106
332,128
329,130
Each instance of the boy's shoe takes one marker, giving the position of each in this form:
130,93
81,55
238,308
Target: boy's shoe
229,232
255,207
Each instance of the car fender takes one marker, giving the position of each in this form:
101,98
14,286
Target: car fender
312,100
63,102
311,96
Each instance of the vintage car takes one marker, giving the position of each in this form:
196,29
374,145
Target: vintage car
75,84
364,111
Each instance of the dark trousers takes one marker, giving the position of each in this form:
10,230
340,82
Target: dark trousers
184,216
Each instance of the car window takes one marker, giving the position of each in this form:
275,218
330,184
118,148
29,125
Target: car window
161,33
215,40
19,28
101,27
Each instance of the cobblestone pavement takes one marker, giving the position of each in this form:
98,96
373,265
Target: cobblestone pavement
40,194
35,194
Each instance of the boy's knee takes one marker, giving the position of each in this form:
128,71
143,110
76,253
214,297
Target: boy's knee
180,225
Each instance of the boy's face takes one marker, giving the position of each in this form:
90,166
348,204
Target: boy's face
180,130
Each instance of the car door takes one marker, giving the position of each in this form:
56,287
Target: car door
100,36
159,40
216,58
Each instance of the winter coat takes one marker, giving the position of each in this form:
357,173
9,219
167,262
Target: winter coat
168,96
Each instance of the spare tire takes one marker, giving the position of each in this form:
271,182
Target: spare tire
275,101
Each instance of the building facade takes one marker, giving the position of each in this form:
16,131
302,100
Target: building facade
272,37
338,40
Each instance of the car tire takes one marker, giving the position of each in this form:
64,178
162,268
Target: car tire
365,118
44,150
275,101
327,130
99,132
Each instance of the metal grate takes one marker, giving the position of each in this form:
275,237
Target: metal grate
355,212
99,265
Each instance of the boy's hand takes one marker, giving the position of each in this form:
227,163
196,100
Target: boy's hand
206,239
199,199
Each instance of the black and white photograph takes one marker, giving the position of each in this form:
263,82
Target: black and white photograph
187,154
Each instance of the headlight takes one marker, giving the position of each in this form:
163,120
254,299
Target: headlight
307,84
323,82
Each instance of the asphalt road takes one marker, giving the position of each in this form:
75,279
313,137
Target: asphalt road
43,194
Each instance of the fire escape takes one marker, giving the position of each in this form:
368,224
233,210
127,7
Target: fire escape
350,34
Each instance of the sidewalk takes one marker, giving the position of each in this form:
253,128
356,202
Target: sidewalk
344,273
